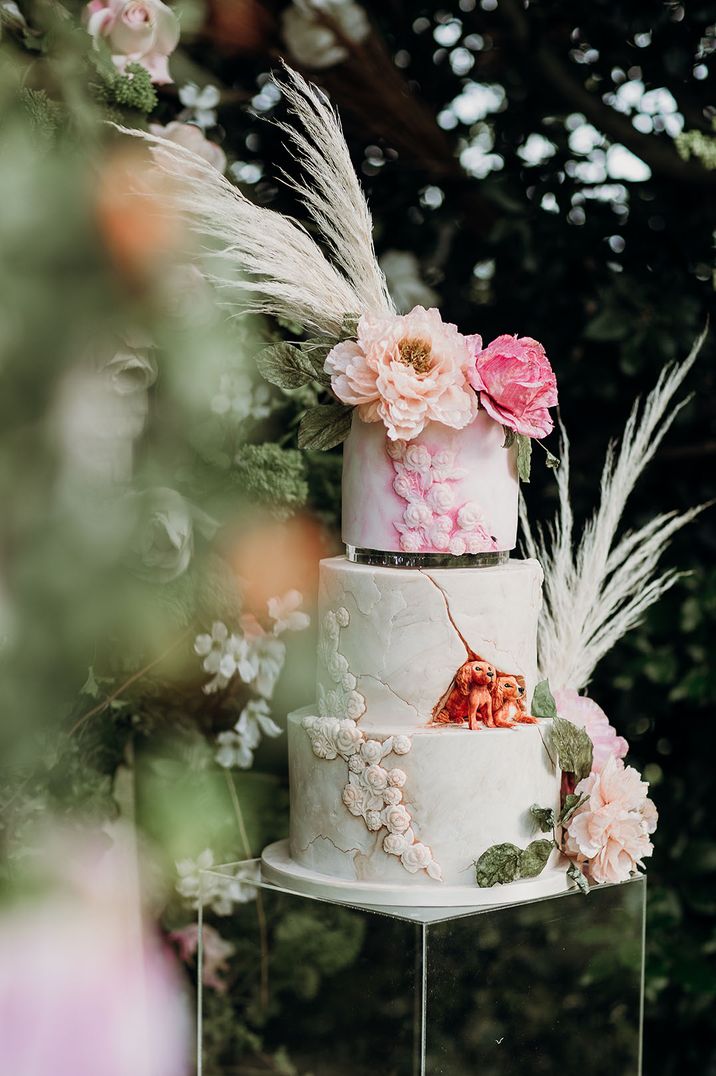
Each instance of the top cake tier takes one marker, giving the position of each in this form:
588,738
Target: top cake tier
392,640
446,492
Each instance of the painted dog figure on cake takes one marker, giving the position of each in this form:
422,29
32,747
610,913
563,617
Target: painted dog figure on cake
483,696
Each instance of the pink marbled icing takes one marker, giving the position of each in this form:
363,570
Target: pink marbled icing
373,513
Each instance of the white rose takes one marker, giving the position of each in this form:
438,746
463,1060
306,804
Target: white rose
441,497
372,751
395,449
391,796
376,778
348,738
322,746
401,745
337,666
404,487
443,464
353,799
411,541
417,458
395,844
373,820
163,542
356,764
348,682
396,818
439,536
469,516
330,625
457,545
417,515
355,705
130,372
416,858
397,778
343,617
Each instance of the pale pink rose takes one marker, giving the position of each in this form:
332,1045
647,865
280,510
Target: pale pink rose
458,545
216,952
441,497
405,370
585,713
417,515
516,384
144,32
191,137
411,541
611,831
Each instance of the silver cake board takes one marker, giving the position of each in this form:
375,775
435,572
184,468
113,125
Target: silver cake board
278,868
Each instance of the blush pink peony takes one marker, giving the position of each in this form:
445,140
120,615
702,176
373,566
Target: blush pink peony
609,835
190,137
516,383
585,713
405,371
144,32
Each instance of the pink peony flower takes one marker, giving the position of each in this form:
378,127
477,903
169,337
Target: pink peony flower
191,137
516,383
585,713
216,952
405,371
144,32
611,831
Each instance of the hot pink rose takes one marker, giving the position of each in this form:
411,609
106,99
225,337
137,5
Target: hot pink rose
611,831
405,371
585,713
191,137
145,32
516,383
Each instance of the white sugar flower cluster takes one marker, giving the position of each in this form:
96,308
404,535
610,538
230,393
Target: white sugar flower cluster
343,699
374,791
433,521
220,891
257,657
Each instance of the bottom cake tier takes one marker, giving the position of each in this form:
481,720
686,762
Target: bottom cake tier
414,811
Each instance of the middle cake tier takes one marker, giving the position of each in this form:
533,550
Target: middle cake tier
392,639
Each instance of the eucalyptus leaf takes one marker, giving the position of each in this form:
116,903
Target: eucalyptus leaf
552,461
510,437
579,879
543,816
572,803
285,366
500,863
534,858
314,354
574,748
543,704
524,457
324,426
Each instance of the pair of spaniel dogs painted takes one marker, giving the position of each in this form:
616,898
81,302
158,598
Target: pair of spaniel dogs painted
483,696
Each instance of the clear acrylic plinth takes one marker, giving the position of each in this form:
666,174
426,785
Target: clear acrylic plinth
550,986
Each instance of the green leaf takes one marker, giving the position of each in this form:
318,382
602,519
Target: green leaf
325,426
524,457
349,326
552,461
90,686
543,704
574,748
500,863
534,858
579,879
285,366
510,437
572,802
543,816
315,353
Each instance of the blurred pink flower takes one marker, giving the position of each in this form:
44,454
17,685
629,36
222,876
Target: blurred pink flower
216,952
145,32
611,831
405,370
516,383
86,989
191,137
585,713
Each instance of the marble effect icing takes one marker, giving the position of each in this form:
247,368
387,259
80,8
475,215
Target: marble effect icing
373,512
403,641
464,791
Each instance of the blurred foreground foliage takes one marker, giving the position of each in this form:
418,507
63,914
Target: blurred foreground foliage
536,171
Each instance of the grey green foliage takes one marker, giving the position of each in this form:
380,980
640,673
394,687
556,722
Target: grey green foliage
324,426
543,704
574,748
524,457
503,863
579,879
572,803
543,816
273,477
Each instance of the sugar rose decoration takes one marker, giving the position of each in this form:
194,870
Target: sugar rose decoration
144,32
405,371
515,383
